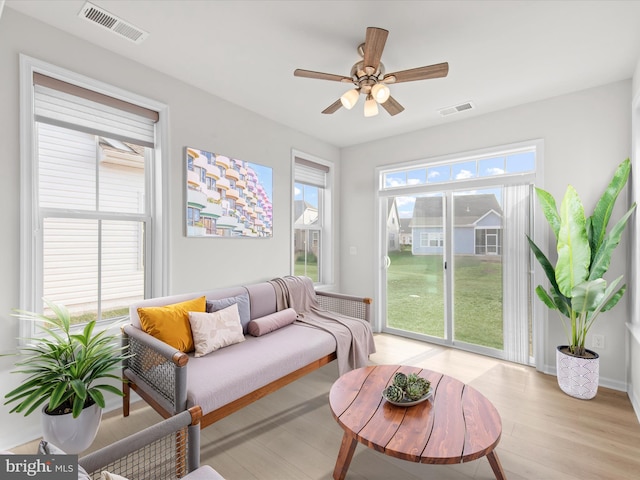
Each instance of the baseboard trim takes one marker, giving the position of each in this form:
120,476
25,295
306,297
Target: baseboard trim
602,382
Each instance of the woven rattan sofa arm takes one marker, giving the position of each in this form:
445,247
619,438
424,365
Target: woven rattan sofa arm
161,348
168,445
157,368
350,305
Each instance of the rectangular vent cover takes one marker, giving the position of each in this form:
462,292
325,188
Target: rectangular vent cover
99,16
455,109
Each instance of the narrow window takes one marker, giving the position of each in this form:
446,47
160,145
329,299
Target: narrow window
311,240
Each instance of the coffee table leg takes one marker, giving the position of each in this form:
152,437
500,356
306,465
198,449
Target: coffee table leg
494,461
347,448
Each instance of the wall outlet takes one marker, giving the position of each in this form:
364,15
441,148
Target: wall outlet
597,341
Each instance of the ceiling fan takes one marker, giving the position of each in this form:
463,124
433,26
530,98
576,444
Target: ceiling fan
368,76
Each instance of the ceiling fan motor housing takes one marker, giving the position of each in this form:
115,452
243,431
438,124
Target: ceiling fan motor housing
363,81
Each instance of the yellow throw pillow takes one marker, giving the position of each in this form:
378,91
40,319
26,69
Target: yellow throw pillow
170,323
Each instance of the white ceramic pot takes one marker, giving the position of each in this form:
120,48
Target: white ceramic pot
578,376
72,435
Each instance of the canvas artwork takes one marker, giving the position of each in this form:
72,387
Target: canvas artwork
227,197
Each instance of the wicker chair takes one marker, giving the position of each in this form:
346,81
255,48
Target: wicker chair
167,450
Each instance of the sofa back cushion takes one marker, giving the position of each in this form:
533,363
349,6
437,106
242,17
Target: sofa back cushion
263,299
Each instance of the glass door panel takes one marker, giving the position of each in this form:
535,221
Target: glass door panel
477,268
415,248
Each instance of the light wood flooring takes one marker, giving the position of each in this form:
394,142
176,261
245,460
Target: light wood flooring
291,434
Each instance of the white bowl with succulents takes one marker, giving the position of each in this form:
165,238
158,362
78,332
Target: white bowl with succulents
407,390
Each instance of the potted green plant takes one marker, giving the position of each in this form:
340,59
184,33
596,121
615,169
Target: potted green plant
66,370
577,289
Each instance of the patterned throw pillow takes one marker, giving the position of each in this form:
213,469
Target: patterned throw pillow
215,330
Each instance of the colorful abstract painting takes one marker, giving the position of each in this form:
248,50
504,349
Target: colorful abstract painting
227,197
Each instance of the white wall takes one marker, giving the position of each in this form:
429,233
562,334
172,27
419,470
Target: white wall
197,119
586,135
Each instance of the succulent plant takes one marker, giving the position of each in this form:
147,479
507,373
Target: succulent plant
394,393
414,391
407,387
400,380
423,383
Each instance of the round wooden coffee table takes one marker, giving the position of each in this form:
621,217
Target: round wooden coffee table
457,424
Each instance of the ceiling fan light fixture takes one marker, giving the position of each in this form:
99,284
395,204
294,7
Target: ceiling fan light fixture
350,98
380,92
370,107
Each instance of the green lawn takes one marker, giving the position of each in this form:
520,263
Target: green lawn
415,297
311,270
106,315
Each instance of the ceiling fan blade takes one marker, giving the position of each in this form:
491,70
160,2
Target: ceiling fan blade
392,106
333,107
438,70
321,76
373,47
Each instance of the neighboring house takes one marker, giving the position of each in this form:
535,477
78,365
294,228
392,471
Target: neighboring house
74,270
477,226
393,228
305,215
406,237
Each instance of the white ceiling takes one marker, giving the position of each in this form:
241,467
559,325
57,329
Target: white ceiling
500,53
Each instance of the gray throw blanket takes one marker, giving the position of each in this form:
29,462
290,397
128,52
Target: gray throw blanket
354,338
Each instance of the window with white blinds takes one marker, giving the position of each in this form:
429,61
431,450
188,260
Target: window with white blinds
311,224
63,104
92,202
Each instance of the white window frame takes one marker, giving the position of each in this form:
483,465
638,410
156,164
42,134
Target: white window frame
325,256
157,241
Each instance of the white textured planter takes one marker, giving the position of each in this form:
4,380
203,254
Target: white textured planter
578,376
72,435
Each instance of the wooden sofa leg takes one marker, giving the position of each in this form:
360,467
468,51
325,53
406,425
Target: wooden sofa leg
126,399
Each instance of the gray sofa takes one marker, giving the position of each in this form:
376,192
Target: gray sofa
228,379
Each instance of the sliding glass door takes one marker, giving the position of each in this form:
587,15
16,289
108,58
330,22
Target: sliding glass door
414,267
455,263
477,313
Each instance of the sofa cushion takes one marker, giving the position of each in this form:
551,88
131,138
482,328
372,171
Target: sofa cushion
233,372
205,472
170,323
269,323
243,307
215,330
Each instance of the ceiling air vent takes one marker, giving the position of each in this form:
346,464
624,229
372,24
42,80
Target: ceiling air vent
99,16
455,109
